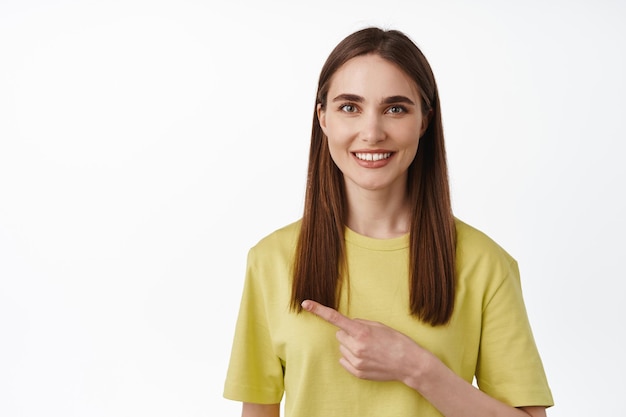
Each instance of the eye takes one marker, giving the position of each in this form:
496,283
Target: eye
396,109
348,108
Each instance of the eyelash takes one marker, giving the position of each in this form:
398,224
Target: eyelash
402,109
343,107
354,107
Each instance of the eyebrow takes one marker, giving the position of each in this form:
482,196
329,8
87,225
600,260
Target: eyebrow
398,99
387,100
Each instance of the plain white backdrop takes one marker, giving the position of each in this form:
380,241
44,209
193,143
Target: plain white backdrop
145,146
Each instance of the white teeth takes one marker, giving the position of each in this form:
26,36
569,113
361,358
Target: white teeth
372,156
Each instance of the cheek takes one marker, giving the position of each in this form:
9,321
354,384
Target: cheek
409,136
416,147
414,153
337,152
339,137
335,130
410,143
340,126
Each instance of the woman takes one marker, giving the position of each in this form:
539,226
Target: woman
436,302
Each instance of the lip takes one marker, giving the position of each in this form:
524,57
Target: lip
372,163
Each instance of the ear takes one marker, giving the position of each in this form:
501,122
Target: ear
321,117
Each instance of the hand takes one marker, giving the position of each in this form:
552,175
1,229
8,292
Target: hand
377,352
371,350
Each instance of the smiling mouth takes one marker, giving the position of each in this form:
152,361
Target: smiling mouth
372,156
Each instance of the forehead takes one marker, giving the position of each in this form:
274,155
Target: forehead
372,75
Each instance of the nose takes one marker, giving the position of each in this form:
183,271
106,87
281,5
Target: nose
372,129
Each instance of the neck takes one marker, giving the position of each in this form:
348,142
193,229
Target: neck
381,214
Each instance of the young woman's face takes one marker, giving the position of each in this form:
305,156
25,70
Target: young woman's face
373,120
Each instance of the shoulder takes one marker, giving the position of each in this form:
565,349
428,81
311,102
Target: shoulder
281,242
480,259
472,242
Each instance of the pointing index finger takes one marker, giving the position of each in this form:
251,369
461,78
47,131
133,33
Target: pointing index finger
330,315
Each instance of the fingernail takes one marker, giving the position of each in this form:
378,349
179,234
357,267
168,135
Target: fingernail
306,305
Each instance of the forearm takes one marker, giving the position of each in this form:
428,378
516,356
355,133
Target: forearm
260,410
455,397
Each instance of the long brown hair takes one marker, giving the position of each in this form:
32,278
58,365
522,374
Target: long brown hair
320,263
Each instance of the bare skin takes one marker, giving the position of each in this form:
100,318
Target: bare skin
377,352
375,108
260,410
399,358
373,351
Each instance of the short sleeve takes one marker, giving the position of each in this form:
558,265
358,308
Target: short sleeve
509,367
255,372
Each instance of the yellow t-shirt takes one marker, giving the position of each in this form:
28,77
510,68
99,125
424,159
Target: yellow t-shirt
276,351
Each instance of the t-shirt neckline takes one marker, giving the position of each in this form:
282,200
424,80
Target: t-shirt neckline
396,243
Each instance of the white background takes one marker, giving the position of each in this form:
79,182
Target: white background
146,145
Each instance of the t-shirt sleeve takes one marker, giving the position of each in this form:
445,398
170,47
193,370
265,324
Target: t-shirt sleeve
509,366
255,373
